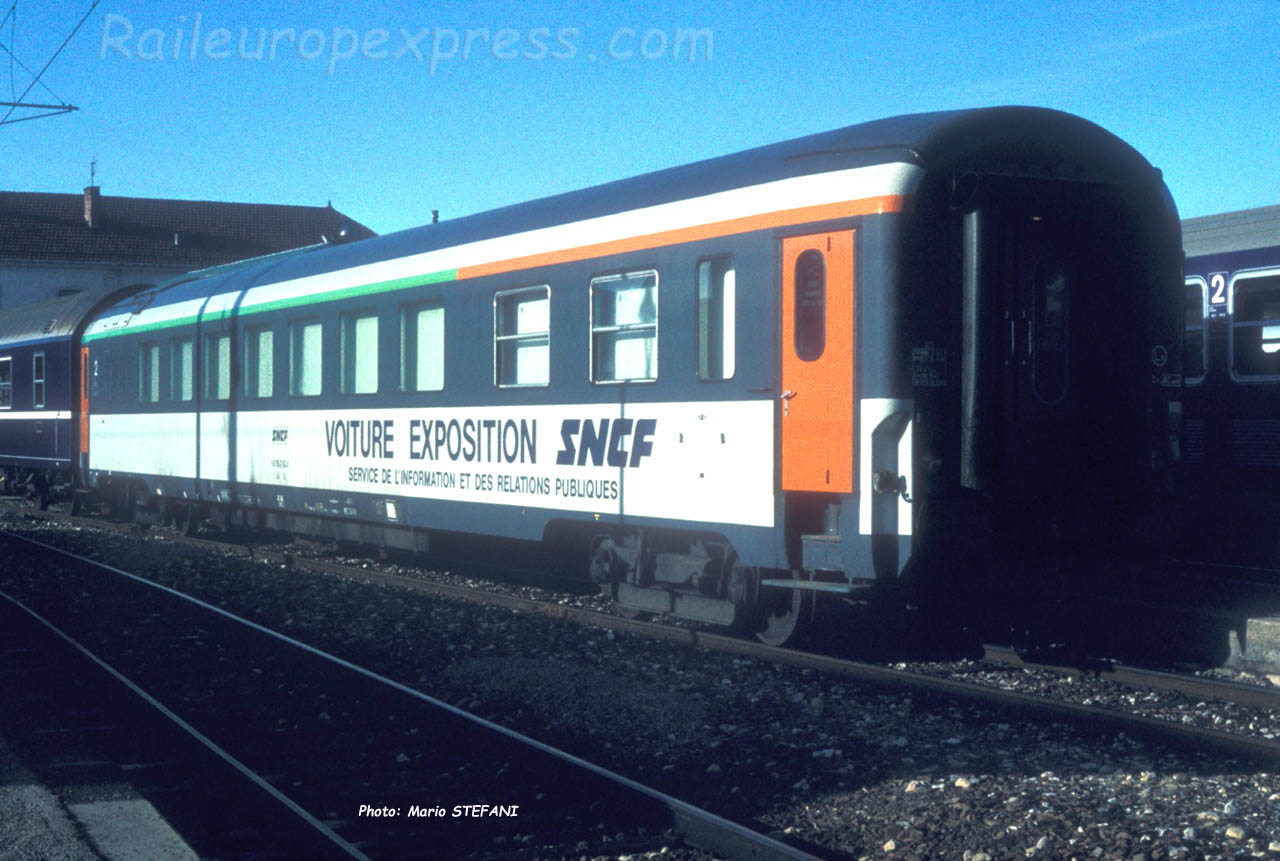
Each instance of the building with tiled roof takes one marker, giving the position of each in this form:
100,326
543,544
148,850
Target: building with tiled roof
53,244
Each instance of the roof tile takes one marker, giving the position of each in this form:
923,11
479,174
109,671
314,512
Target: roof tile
43,226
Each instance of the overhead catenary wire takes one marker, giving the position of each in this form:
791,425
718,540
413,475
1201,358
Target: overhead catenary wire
5,119
13,58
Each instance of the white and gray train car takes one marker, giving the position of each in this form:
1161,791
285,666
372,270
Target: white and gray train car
911,351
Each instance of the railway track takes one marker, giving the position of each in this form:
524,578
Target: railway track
374,767
529,672
1195,687
1252,696
104,745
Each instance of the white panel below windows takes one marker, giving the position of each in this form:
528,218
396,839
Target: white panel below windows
707,462
147,443
215,454
35,414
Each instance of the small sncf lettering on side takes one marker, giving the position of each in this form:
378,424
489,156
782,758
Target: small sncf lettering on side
615,442
279,434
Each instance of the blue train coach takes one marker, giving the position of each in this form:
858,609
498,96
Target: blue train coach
1231,404
920,350
40,432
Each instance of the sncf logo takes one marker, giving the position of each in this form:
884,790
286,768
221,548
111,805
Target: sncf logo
616,442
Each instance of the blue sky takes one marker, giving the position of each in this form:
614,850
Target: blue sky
385,111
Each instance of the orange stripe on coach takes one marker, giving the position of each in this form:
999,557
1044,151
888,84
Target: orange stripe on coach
728,227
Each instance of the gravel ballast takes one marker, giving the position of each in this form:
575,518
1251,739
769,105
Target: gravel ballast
857,770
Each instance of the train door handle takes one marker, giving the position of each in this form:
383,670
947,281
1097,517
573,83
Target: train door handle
786,401
1012,357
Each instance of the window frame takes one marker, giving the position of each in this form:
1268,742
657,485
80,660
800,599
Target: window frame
803,327
730,317
296,326
349,352
38,380
6,386
409,313
149,372
253,362
212,361
1041,313
499,340
1232,290
1204,330
595,330
180,383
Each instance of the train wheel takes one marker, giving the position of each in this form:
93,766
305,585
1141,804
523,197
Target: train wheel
784,614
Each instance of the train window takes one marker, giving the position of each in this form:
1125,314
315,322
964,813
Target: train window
1051,345
181,368
6,383
37,380
259,363
716,318
811,305
522,337
624,327
149,373
217,367
1255,326
305,358
1195,356
421,348
358,345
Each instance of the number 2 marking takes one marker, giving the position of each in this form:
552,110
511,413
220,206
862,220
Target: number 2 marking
1218,284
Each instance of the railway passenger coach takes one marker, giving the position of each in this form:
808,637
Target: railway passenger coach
40,431
919,351
1231,423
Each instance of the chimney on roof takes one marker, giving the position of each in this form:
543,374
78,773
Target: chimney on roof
91,203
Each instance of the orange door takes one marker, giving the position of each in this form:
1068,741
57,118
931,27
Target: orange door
84,400
818,431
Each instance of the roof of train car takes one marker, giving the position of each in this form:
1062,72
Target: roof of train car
50,320
1243,230
198,283
1048,143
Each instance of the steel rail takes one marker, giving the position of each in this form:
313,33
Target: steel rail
1232,743
699,827
1194,686
209,744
